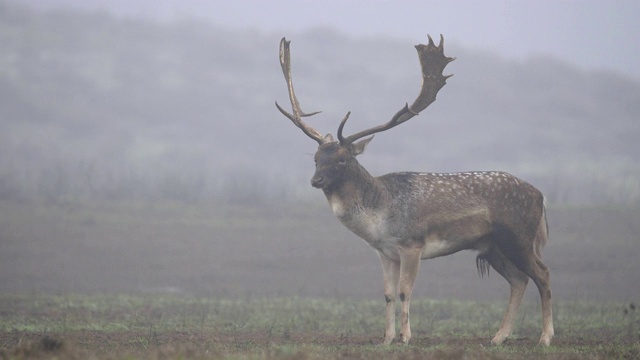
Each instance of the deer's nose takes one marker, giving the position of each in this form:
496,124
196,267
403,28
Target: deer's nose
317,181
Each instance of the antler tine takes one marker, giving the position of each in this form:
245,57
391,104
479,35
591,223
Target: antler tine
298,114
432,62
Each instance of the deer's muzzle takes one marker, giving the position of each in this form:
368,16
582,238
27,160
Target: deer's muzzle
318,181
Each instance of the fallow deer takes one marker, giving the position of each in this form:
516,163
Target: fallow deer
409,216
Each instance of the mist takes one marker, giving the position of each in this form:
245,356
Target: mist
133,146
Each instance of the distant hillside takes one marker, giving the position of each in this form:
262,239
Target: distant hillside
97,106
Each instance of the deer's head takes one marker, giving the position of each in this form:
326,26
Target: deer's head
336,160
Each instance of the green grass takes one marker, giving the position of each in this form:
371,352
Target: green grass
274,271
128,327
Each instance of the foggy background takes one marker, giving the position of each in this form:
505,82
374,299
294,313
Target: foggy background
145,103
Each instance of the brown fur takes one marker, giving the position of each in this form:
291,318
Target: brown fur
407,217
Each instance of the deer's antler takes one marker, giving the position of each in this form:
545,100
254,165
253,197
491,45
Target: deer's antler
433,61
298,114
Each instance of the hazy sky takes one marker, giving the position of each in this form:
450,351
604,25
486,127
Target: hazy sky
594,34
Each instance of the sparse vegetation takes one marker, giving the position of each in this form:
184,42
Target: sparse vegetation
177,327
174,327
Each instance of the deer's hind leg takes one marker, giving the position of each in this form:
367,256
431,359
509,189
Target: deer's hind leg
533,266
517,280
545,298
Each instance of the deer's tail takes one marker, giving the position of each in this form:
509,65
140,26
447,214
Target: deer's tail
542,235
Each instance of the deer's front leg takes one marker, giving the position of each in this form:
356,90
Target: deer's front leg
409,264
390,273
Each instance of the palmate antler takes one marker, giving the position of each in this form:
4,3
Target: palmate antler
432,60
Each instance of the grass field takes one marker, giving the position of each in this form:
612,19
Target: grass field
288,281
176,327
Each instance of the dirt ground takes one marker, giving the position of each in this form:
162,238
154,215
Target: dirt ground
149,345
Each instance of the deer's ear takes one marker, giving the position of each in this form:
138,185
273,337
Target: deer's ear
358,147
328,138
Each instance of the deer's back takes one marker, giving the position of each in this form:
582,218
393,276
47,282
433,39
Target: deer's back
465,206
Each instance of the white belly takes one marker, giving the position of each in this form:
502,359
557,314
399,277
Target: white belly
435,247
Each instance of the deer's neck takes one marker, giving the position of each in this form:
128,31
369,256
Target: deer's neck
358,192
